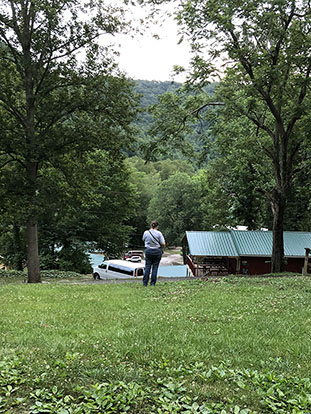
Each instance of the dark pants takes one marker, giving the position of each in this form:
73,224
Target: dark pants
153,257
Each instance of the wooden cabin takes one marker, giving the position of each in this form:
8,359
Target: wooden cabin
219,253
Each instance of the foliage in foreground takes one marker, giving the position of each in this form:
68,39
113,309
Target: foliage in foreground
48,276
55,274
240,345
169,391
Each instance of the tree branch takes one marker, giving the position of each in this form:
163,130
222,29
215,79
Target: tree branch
14,21
13,111
13,52
198,110
260,125
13,159
301,98
249,70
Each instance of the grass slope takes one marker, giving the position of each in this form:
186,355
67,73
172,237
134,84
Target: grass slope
239,345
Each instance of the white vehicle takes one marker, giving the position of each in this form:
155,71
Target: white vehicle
132,253
134,259
118,269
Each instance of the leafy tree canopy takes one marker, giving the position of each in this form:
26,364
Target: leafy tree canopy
59,94
266,47
173,205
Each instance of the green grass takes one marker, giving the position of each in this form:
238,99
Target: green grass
241,345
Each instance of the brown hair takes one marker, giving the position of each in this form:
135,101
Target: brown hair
154,224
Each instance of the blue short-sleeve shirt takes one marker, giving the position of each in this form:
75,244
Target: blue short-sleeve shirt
153,242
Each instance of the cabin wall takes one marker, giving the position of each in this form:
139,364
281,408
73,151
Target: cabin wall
255,265
294,265
248,265
262,265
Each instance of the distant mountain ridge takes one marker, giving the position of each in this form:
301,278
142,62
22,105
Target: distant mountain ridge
150,90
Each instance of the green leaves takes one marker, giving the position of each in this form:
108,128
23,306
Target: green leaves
265,86
173,205
100,356
11,379
169,393
57,110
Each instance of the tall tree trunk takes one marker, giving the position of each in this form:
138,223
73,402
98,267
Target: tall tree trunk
278,209
18,248
33,265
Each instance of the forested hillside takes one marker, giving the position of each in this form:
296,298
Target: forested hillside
88,157
150,92
212,182
223,177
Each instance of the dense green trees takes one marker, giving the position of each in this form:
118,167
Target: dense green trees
231,189
175,204
262,52
162,131
165,192
88,211
54,102
66,121
84,204
268,45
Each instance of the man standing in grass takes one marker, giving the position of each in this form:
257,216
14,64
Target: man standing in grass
154,241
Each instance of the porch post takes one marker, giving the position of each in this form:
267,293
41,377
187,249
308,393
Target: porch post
238,265
305,267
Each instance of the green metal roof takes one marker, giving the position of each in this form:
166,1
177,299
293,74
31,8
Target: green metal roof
252,243
295,243
234,243
211,243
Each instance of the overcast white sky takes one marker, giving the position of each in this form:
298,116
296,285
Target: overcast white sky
150,59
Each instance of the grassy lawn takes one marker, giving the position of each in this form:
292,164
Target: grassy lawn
241,345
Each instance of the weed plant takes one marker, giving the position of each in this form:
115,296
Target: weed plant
241,345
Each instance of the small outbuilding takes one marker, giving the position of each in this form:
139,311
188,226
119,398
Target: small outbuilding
241,252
